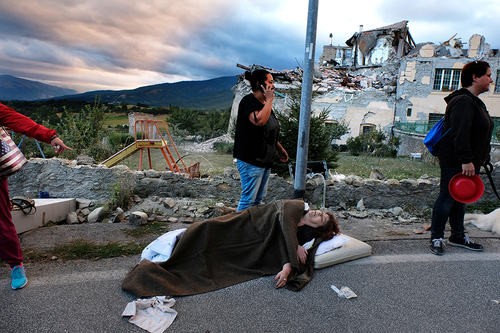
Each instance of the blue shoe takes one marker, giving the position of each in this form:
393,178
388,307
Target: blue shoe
18,276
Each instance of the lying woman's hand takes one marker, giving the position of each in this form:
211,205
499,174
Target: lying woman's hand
302,254
283,275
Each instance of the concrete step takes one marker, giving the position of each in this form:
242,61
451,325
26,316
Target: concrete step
49,209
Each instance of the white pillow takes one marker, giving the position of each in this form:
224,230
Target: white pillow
160,249
354,249
332,244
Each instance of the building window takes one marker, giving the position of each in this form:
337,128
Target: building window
366,129
447,79
435,117
497,83
408,112
348,53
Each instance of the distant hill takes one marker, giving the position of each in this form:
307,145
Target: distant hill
207,94
14,88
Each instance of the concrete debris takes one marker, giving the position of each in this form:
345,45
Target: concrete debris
329,79
72,218
138,218
360,206
85,160
95,215
375,174
209,145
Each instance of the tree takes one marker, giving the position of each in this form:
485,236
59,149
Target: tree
338,129
185,119
320,136
83,131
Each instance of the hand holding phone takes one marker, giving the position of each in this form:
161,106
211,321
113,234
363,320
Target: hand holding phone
262,86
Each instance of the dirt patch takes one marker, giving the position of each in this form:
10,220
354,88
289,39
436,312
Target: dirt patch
46,238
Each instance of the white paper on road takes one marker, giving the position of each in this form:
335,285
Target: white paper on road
154,314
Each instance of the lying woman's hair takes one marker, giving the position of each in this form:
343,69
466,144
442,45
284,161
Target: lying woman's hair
330,229
256,78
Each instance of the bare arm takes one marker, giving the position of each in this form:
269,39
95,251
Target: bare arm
283,275
282,152
259,118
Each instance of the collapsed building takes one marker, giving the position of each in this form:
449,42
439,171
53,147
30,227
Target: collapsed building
383,79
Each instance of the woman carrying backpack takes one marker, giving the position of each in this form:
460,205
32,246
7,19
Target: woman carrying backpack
464,149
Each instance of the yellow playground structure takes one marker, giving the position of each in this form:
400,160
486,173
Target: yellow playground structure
147,136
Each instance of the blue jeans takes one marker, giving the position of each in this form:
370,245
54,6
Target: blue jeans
446,207
254,184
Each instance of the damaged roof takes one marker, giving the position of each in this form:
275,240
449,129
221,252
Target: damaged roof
366,40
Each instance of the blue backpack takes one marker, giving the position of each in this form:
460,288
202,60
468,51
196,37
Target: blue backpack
432,138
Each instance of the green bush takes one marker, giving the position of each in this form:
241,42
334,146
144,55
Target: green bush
374,143
83,132
356,144
118,141
320,136
224,147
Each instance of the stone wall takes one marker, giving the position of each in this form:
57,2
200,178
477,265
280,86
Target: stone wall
66,179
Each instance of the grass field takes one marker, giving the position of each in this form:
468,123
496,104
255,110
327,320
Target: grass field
211,163
214,164
397,168
114,119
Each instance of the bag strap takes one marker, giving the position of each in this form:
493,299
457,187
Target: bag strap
26,206
435,143
453,99
489,168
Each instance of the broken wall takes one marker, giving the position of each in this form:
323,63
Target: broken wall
367,99
416,81
133,117
369,107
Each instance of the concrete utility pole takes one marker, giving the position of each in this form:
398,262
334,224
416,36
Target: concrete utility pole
305,102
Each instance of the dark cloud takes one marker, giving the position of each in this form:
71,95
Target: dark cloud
118,44
437,21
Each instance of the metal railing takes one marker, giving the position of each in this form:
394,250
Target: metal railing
423,127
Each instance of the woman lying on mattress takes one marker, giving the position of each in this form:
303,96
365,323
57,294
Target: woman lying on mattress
238,247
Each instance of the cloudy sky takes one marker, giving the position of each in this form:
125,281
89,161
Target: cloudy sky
124,44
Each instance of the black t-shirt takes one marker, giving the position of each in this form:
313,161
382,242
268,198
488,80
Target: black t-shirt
254,144
305,233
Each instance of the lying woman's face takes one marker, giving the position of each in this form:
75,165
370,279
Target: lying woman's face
315,218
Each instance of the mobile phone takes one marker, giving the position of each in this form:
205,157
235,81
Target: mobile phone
259,86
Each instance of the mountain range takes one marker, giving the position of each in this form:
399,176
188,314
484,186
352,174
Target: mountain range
14,88
207,94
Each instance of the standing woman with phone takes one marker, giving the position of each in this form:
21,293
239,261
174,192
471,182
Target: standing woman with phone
256,138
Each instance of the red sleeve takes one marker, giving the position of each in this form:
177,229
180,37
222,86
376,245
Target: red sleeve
24,125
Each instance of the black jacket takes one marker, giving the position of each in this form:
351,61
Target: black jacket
470,134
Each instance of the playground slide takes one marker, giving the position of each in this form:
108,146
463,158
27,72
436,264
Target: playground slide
120,156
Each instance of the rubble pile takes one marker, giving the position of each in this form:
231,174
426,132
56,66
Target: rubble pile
208,146
189,210
327,79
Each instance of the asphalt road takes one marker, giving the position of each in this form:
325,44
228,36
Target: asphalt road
402,287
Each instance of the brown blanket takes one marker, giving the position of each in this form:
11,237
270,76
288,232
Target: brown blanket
227,250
